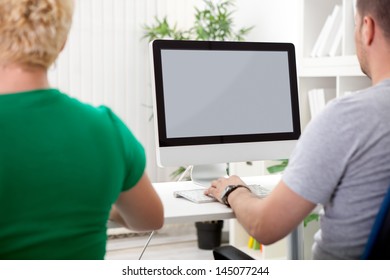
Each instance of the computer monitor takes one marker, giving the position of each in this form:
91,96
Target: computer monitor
219,102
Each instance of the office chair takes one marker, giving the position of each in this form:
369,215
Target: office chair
229,252
377,247
378,244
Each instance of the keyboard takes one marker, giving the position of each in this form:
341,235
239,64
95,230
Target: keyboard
198,196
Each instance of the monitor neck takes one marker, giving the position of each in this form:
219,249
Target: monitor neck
204,174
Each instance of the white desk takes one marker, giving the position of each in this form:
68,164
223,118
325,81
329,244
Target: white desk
180,210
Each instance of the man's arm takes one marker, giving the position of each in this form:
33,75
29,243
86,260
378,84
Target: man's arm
267,220
139,208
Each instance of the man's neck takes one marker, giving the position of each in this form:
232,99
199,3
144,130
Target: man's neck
379,55
17,78
380,76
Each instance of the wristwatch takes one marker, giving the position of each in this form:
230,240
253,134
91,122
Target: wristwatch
228,190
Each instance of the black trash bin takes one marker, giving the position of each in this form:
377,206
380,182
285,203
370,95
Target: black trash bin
209,234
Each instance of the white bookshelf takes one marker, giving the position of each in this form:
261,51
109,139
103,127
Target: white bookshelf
342,71
239,238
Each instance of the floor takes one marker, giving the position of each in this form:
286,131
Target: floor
172,242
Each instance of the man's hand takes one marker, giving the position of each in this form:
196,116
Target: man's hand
218,186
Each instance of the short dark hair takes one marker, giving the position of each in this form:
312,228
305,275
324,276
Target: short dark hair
379,10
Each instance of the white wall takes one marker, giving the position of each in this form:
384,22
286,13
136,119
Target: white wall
106,61
275,20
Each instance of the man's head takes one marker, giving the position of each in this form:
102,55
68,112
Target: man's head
371,31
377,9
33,32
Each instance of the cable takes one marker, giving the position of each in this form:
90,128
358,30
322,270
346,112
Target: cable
185,173
146,245
152,233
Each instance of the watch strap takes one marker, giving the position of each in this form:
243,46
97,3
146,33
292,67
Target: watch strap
228,190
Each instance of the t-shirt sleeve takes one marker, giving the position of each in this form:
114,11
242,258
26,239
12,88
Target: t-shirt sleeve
134,153
321,155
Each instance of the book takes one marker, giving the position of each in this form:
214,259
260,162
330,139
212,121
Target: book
321,37
348,47
318,98
250,242
335,48
335,21
312,102
254,244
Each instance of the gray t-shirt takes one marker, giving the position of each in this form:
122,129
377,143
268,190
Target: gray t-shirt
342,161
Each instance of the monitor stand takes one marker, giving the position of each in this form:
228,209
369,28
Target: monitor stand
204,174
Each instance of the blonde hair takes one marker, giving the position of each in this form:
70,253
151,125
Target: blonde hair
33,32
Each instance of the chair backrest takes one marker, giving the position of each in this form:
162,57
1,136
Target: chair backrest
378,244
229,252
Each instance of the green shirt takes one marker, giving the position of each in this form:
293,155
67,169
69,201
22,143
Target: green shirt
62,165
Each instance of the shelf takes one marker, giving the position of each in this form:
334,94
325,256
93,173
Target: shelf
321,30
330,67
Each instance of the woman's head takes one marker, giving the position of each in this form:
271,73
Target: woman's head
33,32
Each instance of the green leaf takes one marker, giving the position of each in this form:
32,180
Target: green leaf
161,29
278,167
310,218
213,22
177,172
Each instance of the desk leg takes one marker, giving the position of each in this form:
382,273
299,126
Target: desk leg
295,244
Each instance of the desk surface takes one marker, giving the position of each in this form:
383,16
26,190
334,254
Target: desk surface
180,210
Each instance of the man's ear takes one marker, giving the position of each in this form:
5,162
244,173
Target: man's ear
368,30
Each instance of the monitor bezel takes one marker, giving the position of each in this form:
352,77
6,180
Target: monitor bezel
163,141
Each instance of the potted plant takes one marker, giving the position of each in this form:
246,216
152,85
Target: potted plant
213,22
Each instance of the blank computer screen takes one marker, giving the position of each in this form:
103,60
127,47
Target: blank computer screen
222,92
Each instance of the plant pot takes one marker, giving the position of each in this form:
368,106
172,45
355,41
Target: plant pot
209,234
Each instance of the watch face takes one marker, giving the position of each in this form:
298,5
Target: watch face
228,188
226,193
